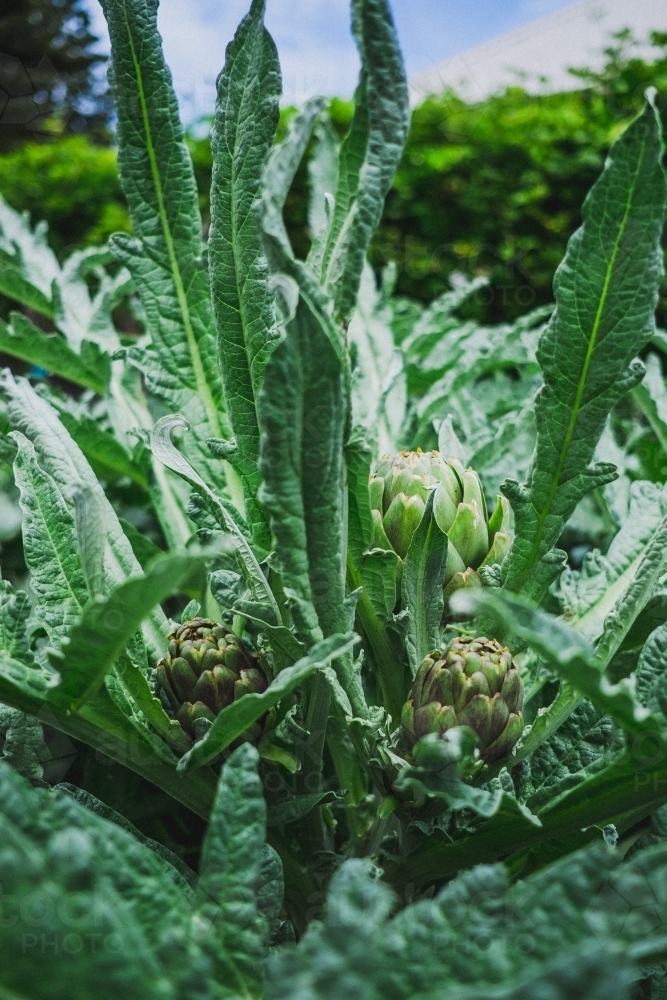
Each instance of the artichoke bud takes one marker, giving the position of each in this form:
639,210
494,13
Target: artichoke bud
502,541
399,489
376,490
469,534
465,579
208,667
444,508
380,540
401,521
500,519
475,683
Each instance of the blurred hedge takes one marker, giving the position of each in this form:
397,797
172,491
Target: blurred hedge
72,183
493,188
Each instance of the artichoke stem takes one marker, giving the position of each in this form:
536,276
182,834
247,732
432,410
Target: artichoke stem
391,673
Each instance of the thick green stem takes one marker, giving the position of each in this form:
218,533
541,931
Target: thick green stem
391,673
319,700
351,776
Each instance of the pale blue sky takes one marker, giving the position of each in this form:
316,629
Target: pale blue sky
317,53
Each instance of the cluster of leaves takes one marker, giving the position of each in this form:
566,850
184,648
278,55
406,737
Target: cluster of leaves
243,425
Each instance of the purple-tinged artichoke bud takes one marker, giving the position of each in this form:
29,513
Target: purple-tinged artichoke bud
475,683
207,668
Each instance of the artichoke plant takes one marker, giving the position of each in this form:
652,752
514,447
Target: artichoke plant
475,683
207,668
399,489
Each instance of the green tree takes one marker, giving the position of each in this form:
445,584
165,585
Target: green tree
48,83
72,184
496,188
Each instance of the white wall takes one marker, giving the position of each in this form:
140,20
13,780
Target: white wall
539,54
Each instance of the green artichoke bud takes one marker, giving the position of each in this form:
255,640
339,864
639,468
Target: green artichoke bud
474,683
399,488
207,668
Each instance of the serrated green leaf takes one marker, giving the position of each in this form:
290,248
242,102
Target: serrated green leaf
22,339
90,538
322,173
379,391
166,254
281,168
590,594
128,895
246,119
358,457
370,154
108,624
165,451
14,613
64,461
651,688
303,409
24,747
473,936
606,291
27,263
579,747
270,889
16,287
422,586
379,573
635,598
651,395
230,870
173,866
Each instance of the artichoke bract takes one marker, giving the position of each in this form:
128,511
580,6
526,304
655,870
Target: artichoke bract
206,669
474,683
399,488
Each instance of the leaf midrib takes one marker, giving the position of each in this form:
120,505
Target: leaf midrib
574,416
203,390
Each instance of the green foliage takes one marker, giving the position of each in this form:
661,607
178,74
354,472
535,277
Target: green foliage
70,183
496,187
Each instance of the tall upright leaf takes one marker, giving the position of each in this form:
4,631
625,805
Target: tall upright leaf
422,583
370,153
282,165
304,412
230,870
606,293
166,254
246,119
